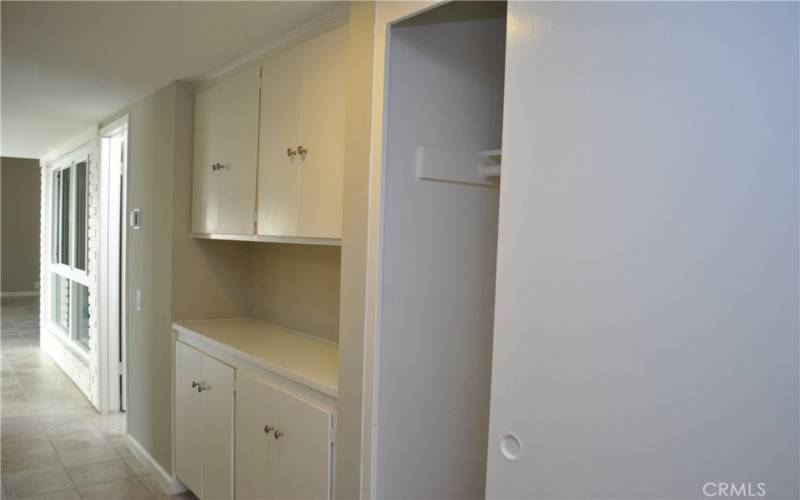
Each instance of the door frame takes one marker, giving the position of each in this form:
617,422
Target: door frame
112,355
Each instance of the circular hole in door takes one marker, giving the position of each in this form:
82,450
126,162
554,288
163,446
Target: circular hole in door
510,446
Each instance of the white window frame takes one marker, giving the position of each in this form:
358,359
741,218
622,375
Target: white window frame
68,271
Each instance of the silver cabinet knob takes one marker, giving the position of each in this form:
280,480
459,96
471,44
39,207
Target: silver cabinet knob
202,387
217,166
278,434
195,384
290,152
302,150
268,428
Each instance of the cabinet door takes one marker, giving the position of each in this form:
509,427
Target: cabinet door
295,465
188,424
217,439
323,126
207,151
238,129
279,175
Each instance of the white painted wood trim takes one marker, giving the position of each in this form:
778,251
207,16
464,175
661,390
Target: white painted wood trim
32,293
167,481
251,56
260,238
111,273
386,14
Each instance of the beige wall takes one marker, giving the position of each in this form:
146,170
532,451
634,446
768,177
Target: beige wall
149,269
20,179
296,286
354,250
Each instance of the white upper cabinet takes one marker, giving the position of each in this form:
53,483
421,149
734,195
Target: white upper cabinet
225,155
302,139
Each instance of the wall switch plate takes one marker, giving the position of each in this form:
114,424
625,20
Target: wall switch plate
136,218
138,300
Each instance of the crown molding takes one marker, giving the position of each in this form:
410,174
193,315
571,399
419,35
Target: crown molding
250,56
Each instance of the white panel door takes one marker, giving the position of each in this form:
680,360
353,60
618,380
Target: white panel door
207,151
646,309
279,170
189,426
296,463
217,438
323,124
238,128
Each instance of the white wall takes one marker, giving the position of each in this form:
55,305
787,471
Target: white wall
646,330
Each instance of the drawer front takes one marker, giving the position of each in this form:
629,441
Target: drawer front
295,462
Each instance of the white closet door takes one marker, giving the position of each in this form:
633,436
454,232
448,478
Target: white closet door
646,310
323,121
189,429
279,172
295,465
238,116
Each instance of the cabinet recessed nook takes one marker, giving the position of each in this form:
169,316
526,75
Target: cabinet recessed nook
255,398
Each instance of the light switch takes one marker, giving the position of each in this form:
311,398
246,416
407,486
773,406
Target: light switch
136,218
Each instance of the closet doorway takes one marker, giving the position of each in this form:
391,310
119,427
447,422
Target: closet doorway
440,173
113,176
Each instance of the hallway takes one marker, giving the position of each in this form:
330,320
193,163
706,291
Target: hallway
55,445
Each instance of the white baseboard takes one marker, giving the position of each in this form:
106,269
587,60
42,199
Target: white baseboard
167,481
33,293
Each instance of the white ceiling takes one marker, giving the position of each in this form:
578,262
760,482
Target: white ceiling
68,65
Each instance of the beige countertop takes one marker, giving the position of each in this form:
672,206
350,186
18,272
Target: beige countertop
294,355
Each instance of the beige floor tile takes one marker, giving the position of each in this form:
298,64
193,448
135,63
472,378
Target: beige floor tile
88,456
59,495
67,415
75,441
16,408
39,445
68,427
16,432
125,489
30,461
100,473
110,422
21,485
49,405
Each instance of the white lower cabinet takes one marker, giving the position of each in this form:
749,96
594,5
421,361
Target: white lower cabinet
283,443
203,423
250,434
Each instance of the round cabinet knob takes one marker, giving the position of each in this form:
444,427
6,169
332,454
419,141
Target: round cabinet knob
202,387
510,446
278,434
290,152
268,428
194,384
302,150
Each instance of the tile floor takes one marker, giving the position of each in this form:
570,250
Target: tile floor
54,444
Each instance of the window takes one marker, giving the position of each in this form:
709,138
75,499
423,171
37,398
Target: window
69,260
